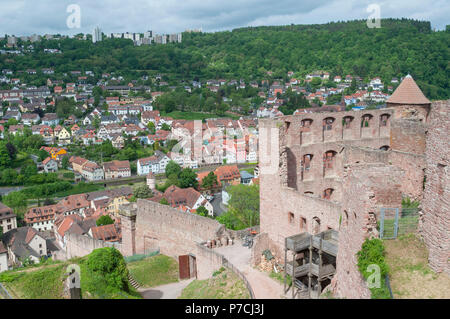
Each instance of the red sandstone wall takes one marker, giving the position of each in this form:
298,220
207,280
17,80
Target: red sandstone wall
367,187
172,231
208,261
276,202
408,136
435,225
79,245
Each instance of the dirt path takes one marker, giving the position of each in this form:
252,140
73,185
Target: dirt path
262,285
169,291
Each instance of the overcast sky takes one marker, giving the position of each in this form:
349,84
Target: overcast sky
25,17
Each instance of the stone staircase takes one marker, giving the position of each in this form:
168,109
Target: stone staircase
133,282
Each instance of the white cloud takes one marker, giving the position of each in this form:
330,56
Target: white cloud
22,17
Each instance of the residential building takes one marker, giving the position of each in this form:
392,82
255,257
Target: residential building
24,243
96,35
8,220
184,197
116,169
50,165
155,164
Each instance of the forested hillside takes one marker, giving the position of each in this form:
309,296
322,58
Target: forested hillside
397,48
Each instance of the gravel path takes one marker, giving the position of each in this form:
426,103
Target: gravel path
262,285
169,291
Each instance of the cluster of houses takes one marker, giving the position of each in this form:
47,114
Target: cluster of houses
366,93
47,227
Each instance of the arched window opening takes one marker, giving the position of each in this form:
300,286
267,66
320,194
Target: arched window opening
384,119
307,161
306,125
366,119
303,224
316,225
328,124
328,159
327,193
347,121
290,217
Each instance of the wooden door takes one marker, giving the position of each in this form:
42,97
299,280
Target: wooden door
183,263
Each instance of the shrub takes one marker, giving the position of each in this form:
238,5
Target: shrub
372,252
104,220
109,264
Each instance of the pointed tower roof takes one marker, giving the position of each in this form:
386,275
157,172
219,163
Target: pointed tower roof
408,93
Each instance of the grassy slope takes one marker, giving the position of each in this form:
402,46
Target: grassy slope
46,282
40,283
224,285
154,271
409,273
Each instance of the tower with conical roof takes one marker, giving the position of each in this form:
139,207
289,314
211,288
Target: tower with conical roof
409,101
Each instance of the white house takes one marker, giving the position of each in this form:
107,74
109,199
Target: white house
155,164
50,165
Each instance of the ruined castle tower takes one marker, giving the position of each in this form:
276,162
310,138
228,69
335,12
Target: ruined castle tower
304,162
128,214
409,101
151,181
411,111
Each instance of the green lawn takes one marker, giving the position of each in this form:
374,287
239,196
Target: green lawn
42,283
409,273
79,189
406,225
223,285
46,282
154,271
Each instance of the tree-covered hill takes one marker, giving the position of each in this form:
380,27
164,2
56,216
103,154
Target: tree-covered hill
399,47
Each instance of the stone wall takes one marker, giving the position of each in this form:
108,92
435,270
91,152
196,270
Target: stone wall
208,261
408,136
174,232
80,245
284,210
435,224
308,135
412,164
367,188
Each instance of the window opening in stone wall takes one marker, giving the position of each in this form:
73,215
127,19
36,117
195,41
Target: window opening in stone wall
328,124
384,119
366,120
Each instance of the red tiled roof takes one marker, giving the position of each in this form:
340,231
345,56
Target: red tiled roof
408,93
105,232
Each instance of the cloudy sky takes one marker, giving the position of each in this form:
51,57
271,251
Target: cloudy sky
25,17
